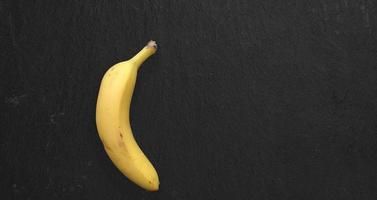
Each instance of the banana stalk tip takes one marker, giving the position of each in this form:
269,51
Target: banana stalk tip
152,44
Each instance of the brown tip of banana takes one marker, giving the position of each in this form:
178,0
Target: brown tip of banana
152,44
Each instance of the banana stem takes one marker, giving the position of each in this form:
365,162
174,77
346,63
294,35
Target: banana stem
147,51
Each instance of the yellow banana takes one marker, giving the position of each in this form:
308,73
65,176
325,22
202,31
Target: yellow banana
112,118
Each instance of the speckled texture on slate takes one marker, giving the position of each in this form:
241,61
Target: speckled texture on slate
245,99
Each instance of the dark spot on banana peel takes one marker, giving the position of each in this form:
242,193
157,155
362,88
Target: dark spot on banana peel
107,148
120,143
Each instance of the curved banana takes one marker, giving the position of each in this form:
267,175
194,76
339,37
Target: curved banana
112,119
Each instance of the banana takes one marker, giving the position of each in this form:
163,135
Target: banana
112,119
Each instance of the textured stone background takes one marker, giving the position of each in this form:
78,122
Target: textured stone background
245,99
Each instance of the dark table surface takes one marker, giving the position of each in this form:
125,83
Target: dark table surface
259,99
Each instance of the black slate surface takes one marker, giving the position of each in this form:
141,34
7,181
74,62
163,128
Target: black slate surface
261,99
